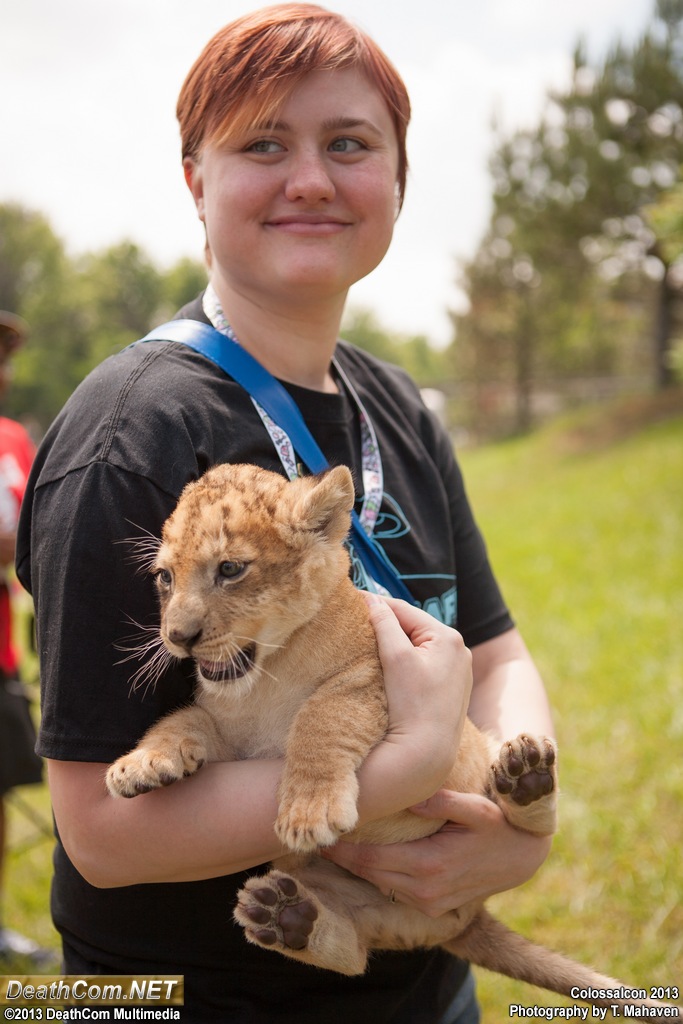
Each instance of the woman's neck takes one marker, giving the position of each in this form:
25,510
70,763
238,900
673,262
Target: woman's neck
294,343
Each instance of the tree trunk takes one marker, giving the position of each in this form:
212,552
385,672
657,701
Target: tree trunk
524,356
666,297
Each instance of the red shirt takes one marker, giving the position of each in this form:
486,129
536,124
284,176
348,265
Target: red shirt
16,455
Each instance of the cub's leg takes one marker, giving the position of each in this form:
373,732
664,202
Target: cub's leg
175,747
281,913
321,915
318,792
523,782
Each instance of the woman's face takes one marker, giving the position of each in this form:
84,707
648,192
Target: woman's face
299,209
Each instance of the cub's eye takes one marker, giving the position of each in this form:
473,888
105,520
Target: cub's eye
231,570
164,577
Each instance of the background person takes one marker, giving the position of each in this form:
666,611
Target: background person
19,764
293,129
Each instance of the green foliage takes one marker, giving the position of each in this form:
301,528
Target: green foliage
572,276
666,219
36,282
425,364
182,283
80,310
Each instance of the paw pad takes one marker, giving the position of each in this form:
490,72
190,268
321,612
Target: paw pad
282,913
525,770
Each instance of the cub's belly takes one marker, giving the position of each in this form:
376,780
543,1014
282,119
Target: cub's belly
399,828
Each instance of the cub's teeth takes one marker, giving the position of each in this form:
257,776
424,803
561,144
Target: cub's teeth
228,671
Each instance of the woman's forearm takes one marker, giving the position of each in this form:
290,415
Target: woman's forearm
217,822
508,696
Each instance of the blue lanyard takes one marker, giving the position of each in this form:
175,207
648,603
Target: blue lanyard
281,407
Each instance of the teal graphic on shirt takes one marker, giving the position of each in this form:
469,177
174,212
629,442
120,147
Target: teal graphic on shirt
392,524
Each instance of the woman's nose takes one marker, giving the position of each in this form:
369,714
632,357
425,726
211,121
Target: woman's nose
309,179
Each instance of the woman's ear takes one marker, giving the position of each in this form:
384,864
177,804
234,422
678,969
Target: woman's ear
192,169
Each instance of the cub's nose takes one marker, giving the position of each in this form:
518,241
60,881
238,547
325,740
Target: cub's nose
184,638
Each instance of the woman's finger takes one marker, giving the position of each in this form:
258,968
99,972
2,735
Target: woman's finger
469,810
379,865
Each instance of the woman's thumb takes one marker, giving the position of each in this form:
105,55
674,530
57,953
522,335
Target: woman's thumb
462,808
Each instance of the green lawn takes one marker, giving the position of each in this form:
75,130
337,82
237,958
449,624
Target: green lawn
29,820
584,526
584,523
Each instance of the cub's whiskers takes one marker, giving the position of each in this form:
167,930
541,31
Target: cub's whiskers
142,550
147,646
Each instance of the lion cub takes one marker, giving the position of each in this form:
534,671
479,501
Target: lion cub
253,583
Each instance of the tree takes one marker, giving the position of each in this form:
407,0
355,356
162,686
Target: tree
179,285
569,250
80,310
119,292
666,218
625,125
425,364
38,282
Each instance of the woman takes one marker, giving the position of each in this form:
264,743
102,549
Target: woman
293,127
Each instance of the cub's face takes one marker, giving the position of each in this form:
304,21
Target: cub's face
246,558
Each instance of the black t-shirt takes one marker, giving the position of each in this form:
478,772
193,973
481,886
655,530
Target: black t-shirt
109,472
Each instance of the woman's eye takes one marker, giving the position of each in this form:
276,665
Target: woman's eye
346,146
266,146
231,570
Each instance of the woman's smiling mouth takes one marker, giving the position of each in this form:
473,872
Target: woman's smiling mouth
308,224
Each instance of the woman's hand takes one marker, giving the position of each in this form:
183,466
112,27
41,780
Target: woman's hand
474,855
428,681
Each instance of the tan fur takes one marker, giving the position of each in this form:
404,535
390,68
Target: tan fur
254,584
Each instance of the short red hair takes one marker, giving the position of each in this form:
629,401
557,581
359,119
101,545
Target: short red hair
248,68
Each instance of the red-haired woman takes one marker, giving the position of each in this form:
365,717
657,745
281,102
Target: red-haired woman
293,128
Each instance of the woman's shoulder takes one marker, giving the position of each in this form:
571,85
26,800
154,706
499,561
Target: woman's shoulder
133,410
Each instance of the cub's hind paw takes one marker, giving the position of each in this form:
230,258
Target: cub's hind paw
276,913
525,770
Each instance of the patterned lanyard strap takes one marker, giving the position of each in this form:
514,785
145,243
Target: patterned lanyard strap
371,461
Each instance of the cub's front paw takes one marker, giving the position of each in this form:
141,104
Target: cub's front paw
311,818
276,912
147,768
525,770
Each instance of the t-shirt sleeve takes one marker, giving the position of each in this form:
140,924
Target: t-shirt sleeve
93,531
482,612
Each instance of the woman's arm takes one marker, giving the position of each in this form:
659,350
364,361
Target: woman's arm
210,824
508,696
220,820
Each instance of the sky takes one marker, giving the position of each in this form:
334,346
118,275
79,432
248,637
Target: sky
89,137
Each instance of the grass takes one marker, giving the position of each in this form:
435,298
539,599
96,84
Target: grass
584,523
28,873
28,868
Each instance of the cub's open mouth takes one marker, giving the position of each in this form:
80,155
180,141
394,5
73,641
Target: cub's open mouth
228,671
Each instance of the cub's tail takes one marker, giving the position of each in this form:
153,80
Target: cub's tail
488,943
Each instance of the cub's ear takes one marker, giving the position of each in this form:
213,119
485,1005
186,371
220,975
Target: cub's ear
324,503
